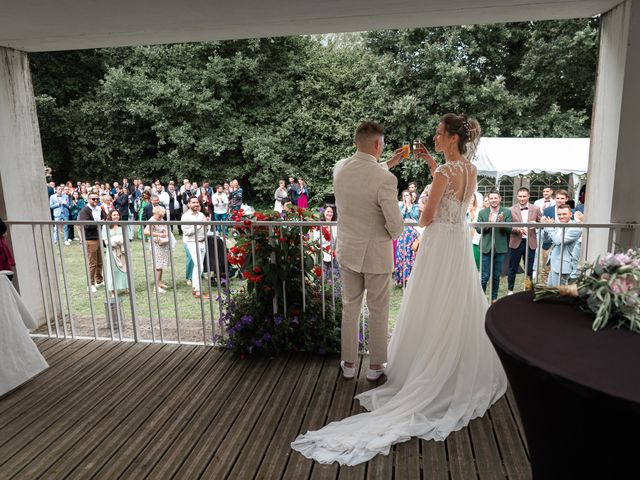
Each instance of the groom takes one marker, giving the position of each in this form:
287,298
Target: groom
369,218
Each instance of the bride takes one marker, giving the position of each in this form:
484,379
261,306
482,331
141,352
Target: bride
442,369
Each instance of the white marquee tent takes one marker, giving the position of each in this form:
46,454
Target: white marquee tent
508,157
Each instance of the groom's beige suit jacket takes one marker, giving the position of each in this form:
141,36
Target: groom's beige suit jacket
368,214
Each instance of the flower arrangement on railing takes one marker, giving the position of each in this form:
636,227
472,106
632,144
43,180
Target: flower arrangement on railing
271,316
608,287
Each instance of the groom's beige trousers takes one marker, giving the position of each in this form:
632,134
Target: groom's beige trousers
377,286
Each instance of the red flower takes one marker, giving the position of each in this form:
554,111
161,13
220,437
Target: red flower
318,271
282,240
260,217
247,223
326,234
257,270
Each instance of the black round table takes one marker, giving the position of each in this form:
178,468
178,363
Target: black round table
578,391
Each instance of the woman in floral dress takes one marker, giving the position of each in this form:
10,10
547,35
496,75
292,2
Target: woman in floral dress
404,253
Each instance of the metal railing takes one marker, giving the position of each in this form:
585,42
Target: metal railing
143,313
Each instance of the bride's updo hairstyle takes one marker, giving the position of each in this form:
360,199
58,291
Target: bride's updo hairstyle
467,129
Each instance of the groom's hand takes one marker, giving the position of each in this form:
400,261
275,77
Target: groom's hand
395,159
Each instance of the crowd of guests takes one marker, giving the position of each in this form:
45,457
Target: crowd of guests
137,201
190,202
292,194
559,252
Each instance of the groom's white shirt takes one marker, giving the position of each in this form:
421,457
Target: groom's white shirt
368,214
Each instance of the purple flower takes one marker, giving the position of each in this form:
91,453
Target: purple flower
295,320
258,343
246,319
277,320
230,344
215,338
266,337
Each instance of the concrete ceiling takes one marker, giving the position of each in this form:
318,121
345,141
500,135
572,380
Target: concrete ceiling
47,25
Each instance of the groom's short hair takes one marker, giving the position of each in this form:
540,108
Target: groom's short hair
367,131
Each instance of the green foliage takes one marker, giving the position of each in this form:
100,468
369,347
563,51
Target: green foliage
262,109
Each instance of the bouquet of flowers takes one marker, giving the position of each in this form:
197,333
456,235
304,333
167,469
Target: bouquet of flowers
608,287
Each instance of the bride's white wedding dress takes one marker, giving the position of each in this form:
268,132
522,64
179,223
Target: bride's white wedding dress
442,370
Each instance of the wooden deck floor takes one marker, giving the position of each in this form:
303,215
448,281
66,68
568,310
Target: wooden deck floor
123,410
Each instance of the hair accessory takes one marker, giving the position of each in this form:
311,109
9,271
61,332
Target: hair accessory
467,128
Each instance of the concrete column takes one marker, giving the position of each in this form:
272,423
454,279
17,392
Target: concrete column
613,192
23,194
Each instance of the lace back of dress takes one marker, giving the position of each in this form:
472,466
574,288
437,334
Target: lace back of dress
461,180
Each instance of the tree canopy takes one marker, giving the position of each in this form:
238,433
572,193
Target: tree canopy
262,109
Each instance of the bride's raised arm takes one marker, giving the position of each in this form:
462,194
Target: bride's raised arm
433,200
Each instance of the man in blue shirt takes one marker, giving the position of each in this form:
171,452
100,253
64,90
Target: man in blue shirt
59,205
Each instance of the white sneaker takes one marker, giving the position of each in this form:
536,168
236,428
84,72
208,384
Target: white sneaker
99,285
67,243
510,292
347,372
373,375
92,288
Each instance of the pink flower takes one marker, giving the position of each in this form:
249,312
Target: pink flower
622,285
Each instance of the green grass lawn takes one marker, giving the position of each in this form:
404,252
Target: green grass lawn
156,313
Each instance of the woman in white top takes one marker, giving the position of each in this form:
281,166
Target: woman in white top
472,216
220,207
280,196
159,246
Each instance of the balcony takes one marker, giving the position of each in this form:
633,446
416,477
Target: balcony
146,410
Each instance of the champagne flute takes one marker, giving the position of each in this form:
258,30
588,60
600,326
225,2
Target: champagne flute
417,144
406,147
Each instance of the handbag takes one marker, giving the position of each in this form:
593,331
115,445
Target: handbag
162,240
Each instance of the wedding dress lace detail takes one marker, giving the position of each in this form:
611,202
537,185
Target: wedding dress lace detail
451,209
442,370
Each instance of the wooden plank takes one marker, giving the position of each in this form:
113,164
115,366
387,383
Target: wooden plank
27,390
275,461
298,466
339,409
358,471
485,448
206,431
64,435
407,459
47,382
434,460
380,466
511,448
44,343
461,463
38,403
96,446
171,444
79,407
513,406
203,451
61,348
276,409
245,426
195,387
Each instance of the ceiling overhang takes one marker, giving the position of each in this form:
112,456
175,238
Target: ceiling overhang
45,25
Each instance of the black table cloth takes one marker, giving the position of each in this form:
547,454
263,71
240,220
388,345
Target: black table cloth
578,391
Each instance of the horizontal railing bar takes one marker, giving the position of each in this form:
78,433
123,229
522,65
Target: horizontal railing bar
307,223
